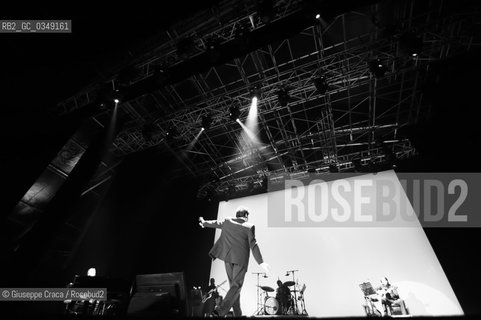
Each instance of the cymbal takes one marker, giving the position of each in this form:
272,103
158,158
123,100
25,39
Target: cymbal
266,288
289,283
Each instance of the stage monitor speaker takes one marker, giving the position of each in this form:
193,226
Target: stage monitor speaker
161,294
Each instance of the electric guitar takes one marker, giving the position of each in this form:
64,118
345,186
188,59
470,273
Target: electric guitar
208,295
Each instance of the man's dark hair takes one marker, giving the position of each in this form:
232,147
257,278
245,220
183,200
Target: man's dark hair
241,213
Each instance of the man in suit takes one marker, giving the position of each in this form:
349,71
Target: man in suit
237,237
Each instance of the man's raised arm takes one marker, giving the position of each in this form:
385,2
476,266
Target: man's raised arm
210,223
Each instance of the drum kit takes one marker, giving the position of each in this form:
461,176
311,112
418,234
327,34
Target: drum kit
287,300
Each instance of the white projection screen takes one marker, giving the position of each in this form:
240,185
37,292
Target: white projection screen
333,261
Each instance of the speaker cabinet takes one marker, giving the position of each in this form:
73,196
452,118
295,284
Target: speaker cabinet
161,294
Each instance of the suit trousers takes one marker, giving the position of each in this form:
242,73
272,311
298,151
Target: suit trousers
235,275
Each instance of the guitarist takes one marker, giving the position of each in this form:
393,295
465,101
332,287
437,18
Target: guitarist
212,288
210,297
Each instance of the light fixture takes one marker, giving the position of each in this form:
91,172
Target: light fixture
333,168
234,113
377,68
116,96
318,16
410,44
256,91
206,122
91,272
171,133
212,49
358,167
242,38
321,84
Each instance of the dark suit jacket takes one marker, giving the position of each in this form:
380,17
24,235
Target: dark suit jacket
236,239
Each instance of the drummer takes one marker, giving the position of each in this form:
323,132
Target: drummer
283,294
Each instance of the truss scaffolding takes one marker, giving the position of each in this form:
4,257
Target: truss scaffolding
314,131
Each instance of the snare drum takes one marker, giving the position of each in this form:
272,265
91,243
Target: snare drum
271,306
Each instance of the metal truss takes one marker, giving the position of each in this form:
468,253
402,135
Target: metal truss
313,130
220,23
402,150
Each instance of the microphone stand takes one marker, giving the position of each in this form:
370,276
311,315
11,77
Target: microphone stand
259,303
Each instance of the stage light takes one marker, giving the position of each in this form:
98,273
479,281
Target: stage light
283,97
333,168
357,165
91,272
391,157
318,16
171,133
256,91
377,68
242,38
206,122
410,44
212,49
321,84
234,113
116,96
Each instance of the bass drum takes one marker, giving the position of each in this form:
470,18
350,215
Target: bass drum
271,306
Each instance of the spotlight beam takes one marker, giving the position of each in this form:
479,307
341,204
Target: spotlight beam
249,133
193,142
252,116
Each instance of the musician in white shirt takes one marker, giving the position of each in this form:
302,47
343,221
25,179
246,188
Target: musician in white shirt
390,296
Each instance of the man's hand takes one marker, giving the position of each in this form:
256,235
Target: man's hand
201,222
266,267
